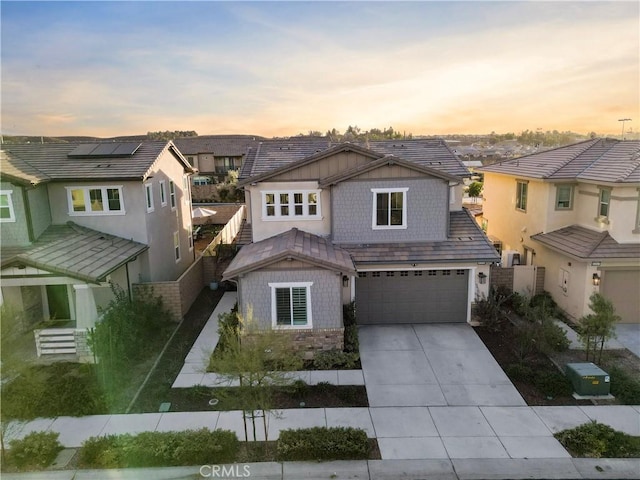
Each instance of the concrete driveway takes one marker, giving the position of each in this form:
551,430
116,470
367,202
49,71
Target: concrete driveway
431,365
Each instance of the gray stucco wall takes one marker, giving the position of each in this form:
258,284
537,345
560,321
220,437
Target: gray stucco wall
15,233
40,211
427,204
326,303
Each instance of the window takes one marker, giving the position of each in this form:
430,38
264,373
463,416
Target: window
176,246
404,274
291,205
389,208
521,196
163,193
446,273
432,273
291,305
375,274
185,189
362,274
148,191
460,271
172,194
417,273
391,274
603,204
564,197
201,180
6,206
101,200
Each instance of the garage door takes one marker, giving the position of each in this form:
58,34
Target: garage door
424,296
622,287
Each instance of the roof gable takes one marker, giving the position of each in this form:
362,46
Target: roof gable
386,161
294,244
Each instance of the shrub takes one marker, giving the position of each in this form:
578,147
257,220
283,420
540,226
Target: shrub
155,449
624,387
546,303
349,314
552,384
351,340
596,440
519,372
554,338
322,443
299,389
335,359
59,389
489,308
35,451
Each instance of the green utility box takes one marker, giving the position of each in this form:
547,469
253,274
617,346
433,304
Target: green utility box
588,379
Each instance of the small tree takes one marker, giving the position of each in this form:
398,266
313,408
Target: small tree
475,188
598,327
259,360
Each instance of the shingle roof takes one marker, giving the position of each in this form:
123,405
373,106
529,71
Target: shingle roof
466,243
584,243
52,160
598,160
19,170
75,251
296,244
272,154
218,145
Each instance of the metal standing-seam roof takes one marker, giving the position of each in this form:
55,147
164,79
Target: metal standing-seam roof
75,251
53,160
270,155
295,244
466,242
598,160
584,243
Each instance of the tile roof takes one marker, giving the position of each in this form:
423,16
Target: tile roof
75,251
597,160
269,155
466,243
52,160
296,244
16,169
218,145
584,243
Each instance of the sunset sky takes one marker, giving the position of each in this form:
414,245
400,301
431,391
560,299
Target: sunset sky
282,68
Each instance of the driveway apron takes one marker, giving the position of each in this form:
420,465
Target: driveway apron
431,365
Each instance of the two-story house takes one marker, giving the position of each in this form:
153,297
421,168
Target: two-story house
576,211
380,223
215,155
76,218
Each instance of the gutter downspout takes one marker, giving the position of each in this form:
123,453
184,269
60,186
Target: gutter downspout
27,212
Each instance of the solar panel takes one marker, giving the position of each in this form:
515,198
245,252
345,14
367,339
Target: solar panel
83,150
126,148
105,150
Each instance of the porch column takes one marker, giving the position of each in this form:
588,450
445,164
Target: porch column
86,310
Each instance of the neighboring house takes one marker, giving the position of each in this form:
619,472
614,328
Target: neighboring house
75,218
381,224
215,155
576,211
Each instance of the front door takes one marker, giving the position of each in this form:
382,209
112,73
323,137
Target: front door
58,302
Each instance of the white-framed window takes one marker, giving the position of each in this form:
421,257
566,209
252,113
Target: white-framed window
7,214
389,208
95,200
291,305
176,246
604,202
163,193
522,188
185,190
291,205
564,197
148,195
172,194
